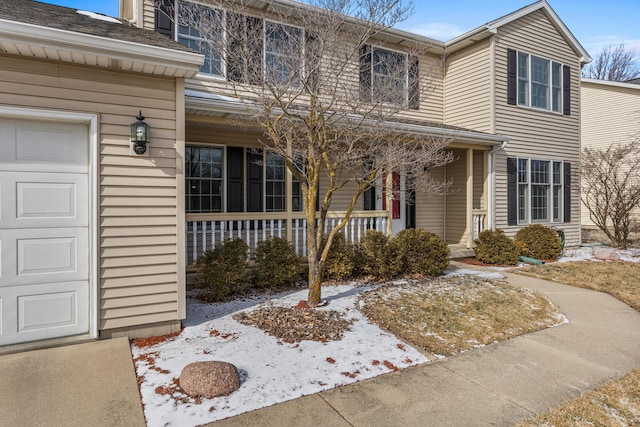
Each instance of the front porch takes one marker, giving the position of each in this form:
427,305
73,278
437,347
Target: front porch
204,232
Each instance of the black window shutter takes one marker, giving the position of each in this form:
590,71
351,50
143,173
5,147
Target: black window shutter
566,90
235,184
512,77
512,191
369,198
163,21
414,82
365,73
567,192
254,181
312,62
245,44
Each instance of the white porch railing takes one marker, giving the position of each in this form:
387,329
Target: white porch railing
204,233
479,224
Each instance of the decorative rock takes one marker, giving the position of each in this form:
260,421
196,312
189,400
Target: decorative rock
209,379
607,255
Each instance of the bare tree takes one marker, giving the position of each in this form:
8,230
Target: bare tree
611,188
615,64
327,101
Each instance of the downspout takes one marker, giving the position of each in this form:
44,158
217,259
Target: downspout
491,190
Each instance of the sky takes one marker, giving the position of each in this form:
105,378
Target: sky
596,24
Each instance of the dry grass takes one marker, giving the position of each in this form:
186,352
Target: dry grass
616,403
448,315
620,279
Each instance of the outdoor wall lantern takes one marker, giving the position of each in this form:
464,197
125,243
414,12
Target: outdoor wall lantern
139,134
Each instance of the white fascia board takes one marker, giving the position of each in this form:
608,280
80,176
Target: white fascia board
87,44
610,83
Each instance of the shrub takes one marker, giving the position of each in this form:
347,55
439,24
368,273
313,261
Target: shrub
493,247
422,252
381,256
223,271
540,242
276,263
340,261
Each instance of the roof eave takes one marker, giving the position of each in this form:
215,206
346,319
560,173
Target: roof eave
220,107
50,43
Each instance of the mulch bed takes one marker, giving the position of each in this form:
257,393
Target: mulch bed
295,324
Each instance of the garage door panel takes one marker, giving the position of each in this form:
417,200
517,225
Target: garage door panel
44,230
43,200
35,312
34,256
43,146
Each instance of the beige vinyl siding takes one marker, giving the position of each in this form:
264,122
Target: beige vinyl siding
478,180
138,257
468,88
537,134
610,115
430,208
456,199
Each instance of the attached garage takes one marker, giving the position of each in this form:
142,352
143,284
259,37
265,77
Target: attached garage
91,232
44,230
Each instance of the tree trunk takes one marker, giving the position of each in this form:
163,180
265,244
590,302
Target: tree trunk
315,283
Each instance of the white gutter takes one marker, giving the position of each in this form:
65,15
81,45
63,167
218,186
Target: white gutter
491,203
46,38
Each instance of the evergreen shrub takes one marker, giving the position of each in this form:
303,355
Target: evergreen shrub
494,247
222,272
422,252
540,242
276,263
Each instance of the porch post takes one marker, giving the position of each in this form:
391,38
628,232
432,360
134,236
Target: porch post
469,198
288,191
389,201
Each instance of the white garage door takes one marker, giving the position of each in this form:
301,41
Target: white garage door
44,230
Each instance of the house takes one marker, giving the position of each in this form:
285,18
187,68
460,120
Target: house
100,241
610,115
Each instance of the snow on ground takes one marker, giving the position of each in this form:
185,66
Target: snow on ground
272,371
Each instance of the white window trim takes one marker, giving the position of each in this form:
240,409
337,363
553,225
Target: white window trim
405,100
529,79
224,173
529,193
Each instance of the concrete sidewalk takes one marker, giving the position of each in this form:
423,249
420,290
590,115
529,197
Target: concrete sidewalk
500,384
92,384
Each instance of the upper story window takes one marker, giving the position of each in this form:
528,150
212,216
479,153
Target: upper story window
192,38
254,49
539,83
389,76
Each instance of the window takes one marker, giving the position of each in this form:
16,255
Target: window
541,191
235,179
537,82
256,49
204,179
211,20
389,76
275,183
282,53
